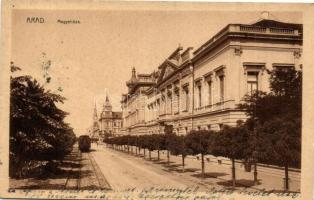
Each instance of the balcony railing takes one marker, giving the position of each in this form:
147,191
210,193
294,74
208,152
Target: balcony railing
216,107
257,29
244,28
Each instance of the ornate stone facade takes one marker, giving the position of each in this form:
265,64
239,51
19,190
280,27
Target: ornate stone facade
109,123
201,89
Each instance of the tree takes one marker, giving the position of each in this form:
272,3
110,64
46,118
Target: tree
276,119
177,146
160,141
231,142
284,143
198,142
37,128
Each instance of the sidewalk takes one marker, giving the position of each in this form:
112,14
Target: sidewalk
220,174
77,171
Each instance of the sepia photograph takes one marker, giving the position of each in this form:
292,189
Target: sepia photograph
156,100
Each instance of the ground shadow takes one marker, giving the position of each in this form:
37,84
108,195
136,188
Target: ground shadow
186,170
174,165
239,183
70,165
164,162
209,175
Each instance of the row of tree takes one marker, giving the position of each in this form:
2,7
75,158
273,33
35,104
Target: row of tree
271,135
38,133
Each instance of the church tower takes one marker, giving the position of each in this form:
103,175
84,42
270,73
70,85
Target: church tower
106,117
107,108
95,129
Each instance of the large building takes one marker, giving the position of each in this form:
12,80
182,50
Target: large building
200,89
109,123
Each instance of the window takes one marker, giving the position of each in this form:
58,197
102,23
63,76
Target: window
221,126
178,100
221,87
170,98
209,83
187,100
186,130
199,128
199,96
208,127
252,82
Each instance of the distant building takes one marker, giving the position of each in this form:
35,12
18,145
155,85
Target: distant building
109,123
94,130
201,89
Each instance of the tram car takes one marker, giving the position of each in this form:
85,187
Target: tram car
84,143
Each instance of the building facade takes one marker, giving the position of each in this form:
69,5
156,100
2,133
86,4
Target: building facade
109,123
200,89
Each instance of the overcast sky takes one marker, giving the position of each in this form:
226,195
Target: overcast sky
96,56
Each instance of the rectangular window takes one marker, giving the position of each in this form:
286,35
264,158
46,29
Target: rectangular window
178,101
209,92
221,87
199,96
170,98
252,82
187,99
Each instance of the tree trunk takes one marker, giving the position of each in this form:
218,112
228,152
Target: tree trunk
233,174
150,155
286,178
158,155
203,166
255,173
168,157
183,164
135,150
144,152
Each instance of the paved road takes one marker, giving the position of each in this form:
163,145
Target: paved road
124,171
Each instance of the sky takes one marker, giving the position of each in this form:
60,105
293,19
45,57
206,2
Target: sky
95,57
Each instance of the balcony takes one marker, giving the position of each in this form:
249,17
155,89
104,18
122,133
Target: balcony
164,116
258,29
230,104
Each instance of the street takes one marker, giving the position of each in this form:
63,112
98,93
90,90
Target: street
124,171
106,168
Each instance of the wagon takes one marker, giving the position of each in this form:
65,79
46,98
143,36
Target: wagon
84,143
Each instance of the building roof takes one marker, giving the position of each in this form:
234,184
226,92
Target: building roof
256,30
277,24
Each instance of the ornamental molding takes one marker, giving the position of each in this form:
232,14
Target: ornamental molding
254,67
220,71
238,51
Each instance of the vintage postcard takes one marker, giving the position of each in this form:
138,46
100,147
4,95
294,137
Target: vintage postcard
156,100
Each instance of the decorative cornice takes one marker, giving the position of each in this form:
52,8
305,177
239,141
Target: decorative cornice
283,65
254,64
